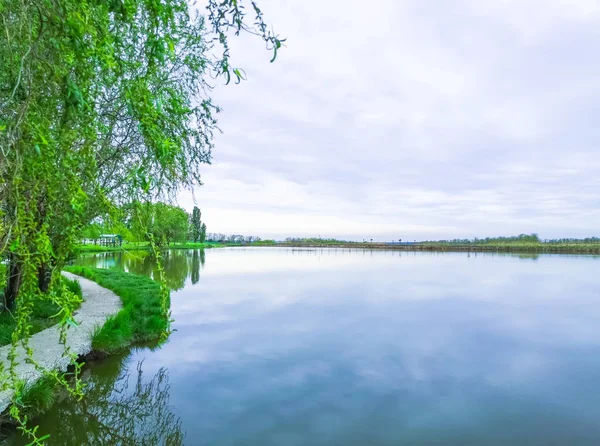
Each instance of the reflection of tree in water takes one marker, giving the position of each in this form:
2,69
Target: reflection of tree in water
195,267
101,260
198,258
139,263
529,256
116,409
181,264
177,264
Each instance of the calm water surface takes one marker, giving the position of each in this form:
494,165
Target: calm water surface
330,347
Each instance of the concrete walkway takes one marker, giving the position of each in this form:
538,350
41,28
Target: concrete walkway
99,304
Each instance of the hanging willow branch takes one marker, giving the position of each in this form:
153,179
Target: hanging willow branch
101,104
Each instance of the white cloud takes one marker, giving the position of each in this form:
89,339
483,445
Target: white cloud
413,119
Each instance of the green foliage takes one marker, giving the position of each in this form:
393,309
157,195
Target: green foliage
92,231
144,246
520,239
264,242
73,286
202,233
222,21
520,243
101,103
168,223
41,318
314,241
142,317
39,396
45,314
233,238
196,225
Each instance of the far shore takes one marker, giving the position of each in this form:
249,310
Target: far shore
537,248
516,248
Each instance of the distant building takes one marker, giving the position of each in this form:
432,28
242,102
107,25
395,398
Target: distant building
105,240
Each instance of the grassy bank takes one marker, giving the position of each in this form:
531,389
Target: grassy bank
264,243
143,246
141,318
557,248
45,315
539,248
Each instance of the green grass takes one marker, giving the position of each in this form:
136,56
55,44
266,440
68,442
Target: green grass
36,398
42,316
73,286
192,245
143,246
263,243
124,247
141,318
510,247
559,248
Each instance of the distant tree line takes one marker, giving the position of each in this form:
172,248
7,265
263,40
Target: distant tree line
515,240
576,241
233,238
313,240
167,224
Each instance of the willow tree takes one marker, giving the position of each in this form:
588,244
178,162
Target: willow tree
101,101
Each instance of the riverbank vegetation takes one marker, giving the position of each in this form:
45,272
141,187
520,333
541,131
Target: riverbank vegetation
315,241
522,243
102,104
138,411
135,222
142,246
142,317
44,314
525,243
264,243
170,226
39,396
233,239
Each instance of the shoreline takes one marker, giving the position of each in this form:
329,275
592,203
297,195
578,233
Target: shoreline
593,249
85,249
98,306
515,249
119,310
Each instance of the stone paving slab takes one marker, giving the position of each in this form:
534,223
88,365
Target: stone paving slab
98,305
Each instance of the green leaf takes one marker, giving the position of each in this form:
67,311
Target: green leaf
275,48
239,74
15,244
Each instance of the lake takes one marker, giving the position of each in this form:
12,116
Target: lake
281,346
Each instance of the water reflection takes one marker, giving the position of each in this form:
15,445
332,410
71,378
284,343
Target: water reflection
288,347
178,264
121,406
195,275
529,256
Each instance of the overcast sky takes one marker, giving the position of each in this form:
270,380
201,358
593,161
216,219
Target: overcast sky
412,119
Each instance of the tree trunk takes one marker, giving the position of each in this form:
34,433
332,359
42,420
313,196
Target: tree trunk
13,282
44,277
